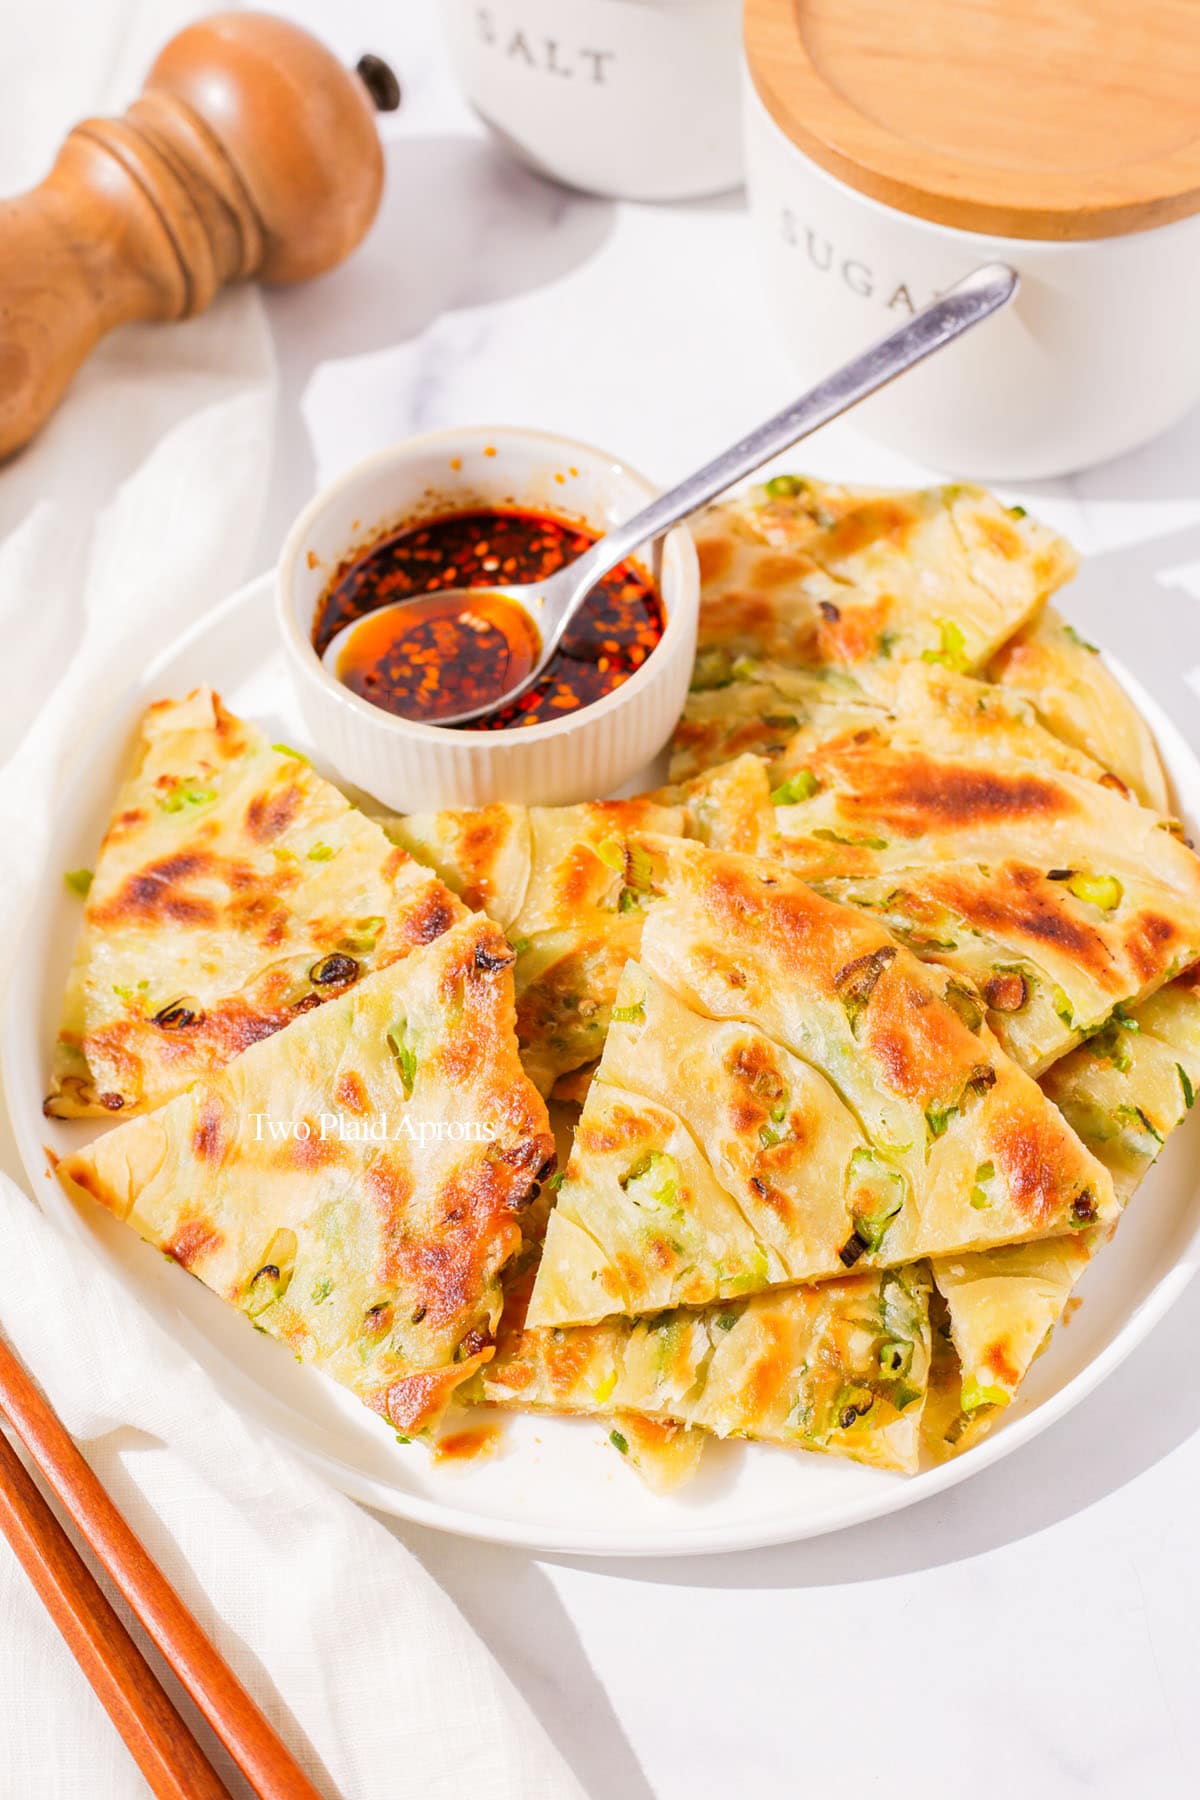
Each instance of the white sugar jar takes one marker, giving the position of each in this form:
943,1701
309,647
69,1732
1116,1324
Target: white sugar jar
637,99
888,153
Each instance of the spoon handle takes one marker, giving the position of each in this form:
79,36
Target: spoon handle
961,308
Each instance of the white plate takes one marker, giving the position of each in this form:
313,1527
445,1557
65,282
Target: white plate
555,1484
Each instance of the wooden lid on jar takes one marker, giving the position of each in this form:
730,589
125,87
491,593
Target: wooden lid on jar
1020,118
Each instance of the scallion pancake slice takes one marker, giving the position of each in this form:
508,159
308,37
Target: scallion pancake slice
785,1092
808,589
1075,694
234,890
841,1368
1056,896
354,1183
1123,1093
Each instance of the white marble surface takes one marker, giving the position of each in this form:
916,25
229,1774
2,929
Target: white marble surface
1034,1632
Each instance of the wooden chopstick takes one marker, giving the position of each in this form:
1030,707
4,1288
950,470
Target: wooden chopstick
267,1764
160,1743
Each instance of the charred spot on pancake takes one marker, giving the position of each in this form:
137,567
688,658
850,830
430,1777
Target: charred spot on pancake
269,815
350,1091
192,1240
430,917
1017,901
111,1102
909,792
855,982
475,1341
155,895
1084,1210
852,1249
1007,991
1147,938
178,1016
493,955
415,1401
336,971
312,1149
207,1139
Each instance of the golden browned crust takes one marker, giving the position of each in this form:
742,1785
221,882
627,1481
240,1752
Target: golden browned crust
234,891
373,1245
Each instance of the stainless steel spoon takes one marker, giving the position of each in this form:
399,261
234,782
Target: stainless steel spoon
553,603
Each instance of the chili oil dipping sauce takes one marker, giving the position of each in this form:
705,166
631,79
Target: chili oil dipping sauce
605,711
434,658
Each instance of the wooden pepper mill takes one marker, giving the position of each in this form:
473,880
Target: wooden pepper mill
251,152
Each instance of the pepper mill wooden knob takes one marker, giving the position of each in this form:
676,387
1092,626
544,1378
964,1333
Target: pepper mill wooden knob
251,152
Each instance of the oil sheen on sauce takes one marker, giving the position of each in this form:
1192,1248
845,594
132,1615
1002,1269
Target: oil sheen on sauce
433,658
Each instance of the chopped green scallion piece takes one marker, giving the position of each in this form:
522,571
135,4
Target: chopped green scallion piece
800,786
79,881
619,1441
938,1118
1189,1092
362,936
639,870
952,653
712,670
1104,891
862,842
405,1056
186,793
976,1394
1070,631
784,487
895,1356
322,853
634,1014
286,750
963,1002
611,852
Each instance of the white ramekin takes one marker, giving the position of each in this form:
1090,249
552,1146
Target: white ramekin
633,98
415,767
1099,352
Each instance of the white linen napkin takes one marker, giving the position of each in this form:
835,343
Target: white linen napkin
134,512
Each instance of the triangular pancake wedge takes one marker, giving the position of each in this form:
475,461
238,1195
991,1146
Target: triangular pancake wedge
354,1183
235,889
841,1368
785,1092
808,589
1074,692
1056,896
1123,1092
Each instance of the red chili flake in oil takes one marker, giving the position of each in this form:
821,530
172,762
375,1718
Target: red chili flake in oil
427,660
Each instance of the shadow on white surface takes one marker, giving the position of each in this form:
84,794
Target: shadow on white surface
498,231
511,1602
